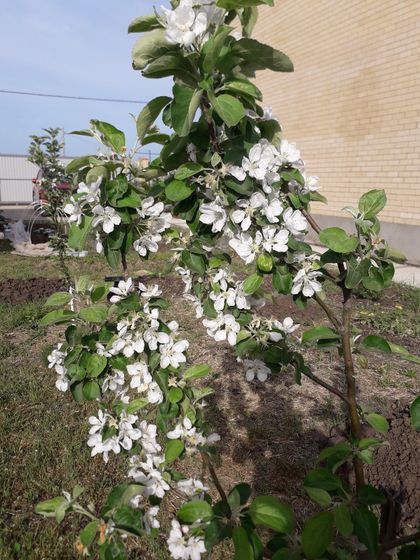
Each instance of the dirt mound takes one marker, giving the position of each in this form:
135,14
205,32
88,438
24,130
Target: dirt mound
32,289
397,466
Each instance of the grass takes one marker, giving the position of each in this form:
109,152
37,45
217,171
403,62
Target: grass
270,432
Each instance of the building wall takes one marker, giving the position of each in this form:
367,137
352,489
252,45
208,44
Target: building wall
16,174
353,103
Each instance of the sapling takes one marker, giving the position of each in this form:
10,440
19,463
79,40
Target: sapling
228,172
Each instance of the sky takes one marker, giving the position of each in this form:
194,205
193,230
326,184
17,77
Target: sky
77,47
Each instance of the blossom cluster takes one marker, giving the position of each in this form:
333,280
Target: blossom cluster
138,348
151,219
229,301
191,22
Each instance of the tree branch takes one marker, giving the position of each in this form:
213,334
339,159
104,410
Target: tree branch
399,542
328,311
214,477
326,385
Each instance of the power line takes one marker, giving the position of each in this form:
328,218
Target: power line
78,97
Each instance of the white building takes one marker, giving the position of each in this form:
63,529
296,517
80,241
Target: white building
16,174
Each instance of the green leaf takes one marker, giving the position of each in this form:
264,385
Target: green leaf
96,313
194,372
373,342
144,23
319,496
173,450
59,298
319,333
322,478
372,202
88,533
282,280
378,422
249,18
366,528
96,364
239,495
56,317
317,534
79,162
78,233
342,520
269,511
258,56
229,109
252,283
136,405
187,170
149,114
415,413
243,86
175,394
91,391
148,47
184,107
355,272
178,190
337,240
192,511
243,548
369,495
193,261
212,49
49,507
155,139
234,4
111,136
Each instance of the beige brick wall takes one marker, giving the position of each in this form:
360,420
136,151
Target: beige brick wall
353,102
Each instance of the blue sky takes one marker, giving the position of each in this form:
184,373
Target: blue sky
77,47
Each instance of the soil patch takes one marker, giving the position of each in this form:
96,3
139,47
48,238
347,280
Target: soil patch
397,466
15,291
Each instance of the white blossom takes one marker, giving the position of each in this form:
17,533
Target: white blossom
90,193
107,217
213,214
74,211
147,243
122,290
295,221
256,368
246,246
306,282
289,154
172,354
140,376
191,487
247,208
275,239
224,327
183,24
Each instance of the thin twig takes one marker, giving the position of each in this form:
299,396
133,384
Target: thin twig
399,542
214,477
326,385
328,311
314,225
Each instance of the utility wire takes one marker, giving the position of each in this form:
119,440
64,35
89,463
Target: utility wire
78,97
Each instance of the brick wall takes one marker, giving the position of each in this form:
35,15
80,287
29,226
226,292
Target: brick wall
353,102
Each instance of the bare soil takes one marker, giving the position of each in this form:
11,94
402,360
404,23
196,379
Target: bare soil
14,291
